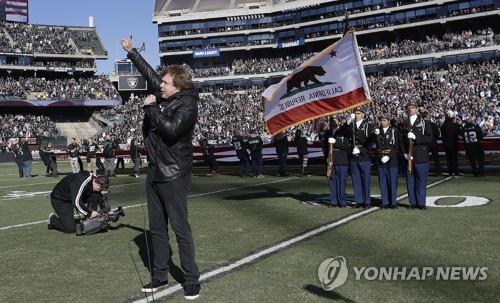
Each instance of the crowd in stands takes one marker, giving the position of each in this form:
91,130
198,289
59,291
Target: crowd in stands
470,90
47,39
29,38
208,72
126,122
314,31
87,40
448,42
222,112
91,88
21,126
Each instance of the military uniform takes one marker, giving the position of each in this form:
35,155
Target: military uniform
388,143
360,163
417,180
340,167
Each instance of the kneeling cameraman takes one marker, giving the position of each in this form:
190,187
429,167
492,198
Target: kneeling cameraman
81,191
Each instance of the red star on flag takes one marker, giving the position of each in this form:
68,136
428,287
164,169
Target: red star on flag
333,53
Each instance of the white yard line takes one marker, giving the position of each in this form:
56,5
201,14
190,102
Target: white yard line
141,204
251,258
16,198
30,184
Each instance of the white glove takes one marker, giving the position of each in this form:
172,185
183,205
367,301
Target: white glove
355,151
352,116
376,131
385,159
331,140
411,135
406,157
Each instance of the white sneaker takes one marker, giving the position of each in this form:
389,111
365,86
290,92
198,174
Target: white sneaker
49,227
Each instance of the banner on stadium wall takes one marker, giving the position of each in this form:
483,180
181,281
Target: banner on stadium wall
297,42
333,81
205,53
59,103
127,83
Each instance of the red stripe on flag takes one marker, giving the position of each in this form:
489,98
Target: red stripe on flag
316,109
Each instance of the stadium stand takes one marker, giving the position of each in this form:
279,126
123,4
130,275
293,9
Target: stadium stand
88,42
20,126
470,89
124,122
49,39
421,50
82,88
50,66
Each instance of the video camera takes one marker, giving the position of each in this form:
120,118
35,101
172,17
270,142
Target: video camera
100,223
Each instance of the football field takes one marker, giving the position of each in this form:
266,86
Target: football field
258,240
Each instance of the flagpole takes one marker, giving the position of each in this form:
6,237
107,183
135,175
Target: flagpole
360,65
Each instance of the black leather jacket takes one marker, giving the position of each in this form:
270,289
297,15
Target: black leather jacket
167,127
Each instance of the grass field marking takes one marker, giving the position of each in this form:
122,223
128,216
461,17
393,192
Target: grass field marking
22,225
30,184
17,198
137,205
21,185
253,257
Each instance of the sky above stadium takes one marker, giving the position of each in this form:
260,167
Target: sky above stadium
113,19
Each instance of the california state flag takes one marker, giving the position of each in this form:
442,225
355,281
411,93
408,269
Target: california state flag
333,81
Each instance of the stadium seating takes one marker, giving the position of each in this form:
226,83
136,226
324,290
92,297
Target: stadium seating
222,111
69,88
49,39
447,42
20,126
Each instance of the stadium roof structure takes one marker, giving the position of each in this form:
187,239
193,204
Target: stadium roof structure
182,10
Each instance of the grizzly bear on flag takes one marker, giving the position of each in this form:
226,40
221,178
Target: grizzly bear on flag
308,74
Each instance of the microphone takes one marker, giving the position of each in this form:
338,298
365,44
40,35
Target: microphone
158,96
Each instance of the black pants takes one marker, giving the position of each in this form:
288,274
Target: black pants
80,163
63,220
53,168
282,157
20,168
452,158
168,201
137,164
476,157
435,157
119,161
211,162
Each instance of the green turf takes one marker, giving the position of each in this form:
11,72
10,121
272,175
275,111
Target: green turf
244,217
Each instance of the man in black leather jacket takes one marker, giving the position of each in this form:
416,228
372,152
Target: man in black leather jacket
168,126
